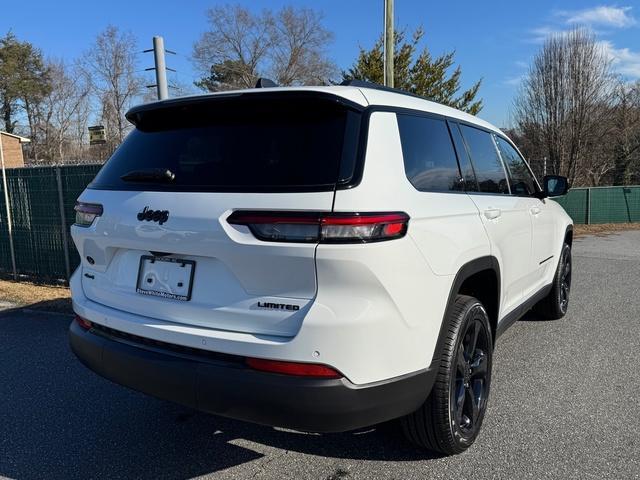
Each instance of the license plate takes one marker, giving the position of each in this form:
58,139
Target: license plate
165,277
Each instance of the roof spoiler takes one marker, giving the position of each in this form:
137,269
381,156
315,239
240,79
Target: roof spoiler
136,113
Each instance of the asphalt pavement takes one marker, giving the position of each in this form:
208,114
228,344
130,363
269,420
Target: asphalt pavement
565,403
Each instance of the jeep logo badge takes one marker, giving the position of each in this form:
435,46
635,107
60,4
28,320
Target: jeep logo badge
149,215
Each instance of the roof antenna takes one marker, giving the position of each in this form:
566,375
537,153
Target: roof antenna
265,83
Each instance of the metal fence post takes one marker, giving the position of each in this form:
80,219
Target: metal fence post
9,223
588,206
63,224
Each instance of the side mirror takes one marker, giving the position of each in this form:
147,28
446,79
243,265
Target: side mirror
554,186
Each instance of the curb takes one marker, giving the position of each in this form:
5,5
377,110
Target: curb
7,306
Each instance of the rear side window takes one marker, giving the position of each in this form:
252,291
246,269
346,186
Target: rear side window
238,144
429,158
520,177
486,162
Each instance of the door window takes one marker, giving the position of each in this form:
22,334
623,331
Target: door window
486,162
470,183
520,177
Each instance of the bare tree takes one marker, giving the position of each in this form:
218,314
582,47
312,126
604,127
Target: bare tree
597,161
241,46
564,100
229,54
57,113
627,134
298,55
111,64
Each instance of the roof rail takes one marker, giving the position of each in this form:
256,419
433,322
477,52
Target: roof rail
265,83
376,86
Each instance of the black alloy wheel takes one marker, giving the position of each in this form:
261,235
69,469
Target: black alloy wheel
470,389
554,306
565,279
450,419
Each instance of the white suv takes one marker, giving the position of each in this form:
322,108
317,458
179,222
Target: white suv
318,258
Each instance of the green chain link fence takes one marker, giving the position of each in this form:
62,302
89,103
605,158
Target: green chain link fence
603,204
42,200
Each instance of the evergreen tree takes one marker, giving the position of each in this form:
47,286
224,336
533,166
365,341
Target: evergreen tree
227,75
24,78
417,72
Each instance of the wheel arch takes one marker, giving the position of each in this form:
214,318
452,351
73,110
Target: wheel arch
568,235
478,278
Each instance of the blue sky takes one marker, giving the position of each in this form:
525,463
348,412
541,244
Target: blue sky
493,40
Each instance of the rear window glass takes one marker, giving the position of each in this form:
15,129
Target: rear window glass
240,144
429,158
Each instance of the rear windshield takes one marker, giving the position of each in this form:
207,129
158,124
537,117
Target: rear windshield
238,144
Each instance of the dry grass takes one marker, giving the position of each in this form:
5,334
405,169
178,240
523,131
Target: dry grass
38,297
604,228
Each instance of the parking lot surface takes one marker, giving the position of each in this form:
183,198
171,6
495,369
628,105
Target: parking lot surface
564,404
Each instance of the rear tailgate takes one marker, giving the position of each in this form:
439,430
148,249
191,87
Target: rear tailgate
197,162
237,280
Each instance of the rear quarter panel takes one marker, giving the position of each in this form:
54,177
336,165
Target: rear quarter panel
445,227
413,276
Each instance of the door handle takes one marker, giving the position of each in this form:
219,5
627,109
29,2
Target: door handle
492,213
535,210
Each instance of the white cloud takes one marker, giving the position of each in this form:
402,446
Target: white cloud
606,16
603,16
540,34
514,81
624,60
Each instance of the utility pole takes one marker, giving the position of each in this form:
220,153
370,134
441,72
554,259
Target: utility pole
388,43
160,67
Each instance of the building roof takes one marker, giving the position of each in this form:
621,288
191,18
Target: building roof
22,139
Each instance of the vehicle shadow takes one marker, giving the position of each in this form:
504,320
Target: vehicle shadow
60,420
533,316
55,305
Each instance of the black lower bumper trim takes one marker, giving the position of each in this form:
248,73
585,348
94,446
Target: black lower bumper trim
233,390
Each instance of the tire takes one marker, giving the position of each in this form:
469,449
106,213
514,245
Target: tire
450,419
554,305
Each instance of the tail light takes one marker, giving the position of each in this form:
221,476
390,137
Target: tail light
83,322
324,227
293,368
86,213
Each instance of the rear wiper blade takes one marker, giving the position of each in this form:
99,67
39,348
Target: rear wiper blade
149,175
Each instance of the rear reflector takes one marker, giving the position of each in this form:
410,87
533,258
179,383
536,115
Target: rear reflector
292,368
83,322
324,227
86,213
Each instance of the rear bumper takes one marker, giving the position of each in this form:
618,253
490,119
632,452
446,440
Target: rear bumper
225,386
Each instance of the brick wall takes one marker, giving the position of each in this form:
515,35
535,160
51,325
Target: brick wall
12,150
